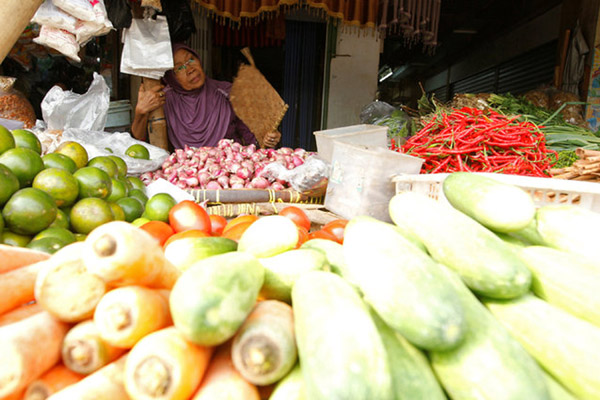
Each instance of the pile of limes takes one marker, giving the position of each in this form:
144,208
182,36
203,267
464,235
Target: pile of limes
49,201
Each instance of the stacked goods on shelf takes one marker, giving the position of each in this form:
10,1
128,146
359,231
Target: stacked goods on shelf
449,300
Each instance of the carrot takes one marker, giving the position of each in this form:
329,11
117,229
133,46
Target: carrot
104,384
16,257
20,313
83,350
223,381
65,288
28,348
15,396
264,348
57,378
16,287
125,315
163,365
123,254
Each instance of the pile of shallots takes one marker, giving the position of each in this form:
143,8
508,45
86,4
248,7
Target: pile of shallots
230,165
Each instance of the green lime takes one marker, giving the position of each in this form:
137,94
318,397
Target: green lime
132,208
158,207
140,221
61,220
7,141
137,183
48,245
57,160
93,182
29,211
118,212
58,183
121,165
60,233
27,139
109,149
80,237
119,190
138,151
15,239
24,163
89,213
75,151
9,184
105,164
138,194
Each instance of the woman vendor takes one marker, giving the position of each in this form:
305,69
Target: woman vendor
197,108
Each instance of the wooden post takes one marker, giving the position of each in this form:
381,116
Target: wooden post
15,15
157,123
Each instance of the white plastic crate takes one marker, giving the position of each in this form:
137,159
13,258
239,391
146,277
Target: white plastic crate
364,134
544,191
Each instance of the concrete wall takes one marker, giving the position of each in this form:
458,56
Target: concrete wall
353,76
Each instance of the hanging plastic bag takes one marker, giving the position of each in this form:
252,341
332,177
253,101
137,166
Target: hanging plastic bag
14,105
80,9
181,20
64,109
119,13
59,40
147,48
99,26
50,15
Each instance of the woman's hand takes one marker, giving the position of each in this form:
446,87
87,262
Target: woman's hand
149,100
271,139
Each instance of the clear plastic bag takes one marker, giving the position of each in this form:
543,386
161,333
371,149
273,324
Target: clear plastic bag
50,15
59,40
14,105
63,109
309,178
99,26
80,9
99,143
374,111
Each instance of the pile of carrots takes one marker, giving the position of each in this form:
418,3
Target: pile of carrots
474,140
92,321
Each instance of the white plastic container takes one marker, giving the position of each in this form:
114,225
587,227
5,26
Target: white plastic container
119,114
364,134
360,181
543,191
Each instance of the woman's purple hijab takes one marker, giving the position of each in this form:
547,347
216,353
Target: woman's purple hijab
199,117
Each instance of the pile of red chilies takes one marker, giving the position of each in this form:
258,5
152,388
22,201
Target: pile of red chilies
473,140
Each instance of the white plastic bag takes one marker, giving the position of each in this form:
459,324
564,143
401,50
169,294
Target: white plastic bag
80,9
49,15
147,48
64,109
105,144
100,25
60,40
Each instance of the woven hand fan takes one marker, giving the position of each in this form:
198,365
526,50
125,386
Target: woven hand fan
255,101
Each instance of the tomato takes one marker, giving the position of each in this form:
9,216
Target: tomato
161,231
189,215
217,224
190,233
297,215
302,236
235,232
336,228
239,220
321,234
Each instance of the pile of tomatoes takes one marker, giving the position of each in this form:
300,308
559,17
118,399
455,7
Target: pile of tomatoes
189,219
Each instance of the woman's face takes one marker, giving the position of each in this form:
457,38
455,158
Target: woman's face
188,70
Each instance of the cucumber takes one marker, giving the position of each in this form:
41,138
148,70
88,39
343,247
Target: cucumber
412,376
490,363
498,206
212,298
291,387
486,264
184,252
565,280
282,270
557,391
566,346
264,348
569,228
403,284
529,235
334,254
269,236
341,353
